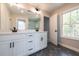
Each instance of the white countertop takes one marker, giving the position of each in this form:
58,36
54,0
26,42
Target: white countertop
7,33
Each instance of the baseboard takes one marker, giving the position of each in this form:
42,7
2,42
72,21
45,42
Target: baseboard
53,43
72,48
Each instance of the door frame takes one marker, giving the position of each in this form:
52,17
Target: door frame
58,30
48,32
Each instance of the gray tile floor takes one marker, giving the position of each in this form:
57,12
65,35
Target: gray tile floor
53,50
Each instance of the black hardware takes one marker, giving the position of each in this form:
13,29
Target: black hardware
30,35
37,9
13,44
55,30
10,44
29,41
30,49
41,38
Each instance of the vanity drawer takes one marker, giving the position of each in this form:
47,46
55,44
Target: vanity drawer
30,44
31,34
22,36
11,37
30,51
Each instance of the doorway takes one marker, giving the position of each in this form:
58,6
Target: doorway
46,26
55,29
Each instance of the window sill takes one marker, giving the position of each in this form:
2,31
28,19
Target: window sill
71,38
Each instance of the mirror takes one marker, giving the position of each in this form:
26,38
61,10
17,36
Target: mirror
34,23
9,15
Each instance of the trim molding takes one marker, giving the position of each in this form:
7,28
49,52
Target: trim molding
72,48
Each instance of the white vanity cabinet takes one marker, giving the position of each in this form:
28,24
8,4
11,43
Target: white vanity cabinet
37,42
33,43
13,48
43,40
22,43
19,47
30,43
5,48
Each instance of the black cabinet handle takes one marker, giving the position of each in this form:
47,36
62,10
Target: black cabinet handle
30,49
30,35
13,44
41,38
29,41
10,44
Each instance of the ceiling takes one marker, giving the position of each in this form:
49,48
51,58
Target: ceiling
47,6
26,8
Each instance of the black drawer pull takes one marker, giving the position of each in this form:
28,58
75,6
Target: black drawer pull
30,35
29,41
30,49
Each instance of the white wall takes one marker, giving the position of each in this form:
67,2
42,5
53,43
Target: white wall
0,16
5,25
15,17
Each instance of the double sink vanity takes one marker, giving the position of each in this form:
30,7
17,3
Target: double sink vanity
22,44
19,43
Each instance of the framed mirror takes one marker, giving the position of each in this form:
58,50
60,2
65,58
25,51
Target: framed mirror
34,23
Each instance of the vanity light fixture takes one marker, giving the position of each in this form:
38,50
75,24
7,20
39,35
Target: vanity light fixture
22,11
37,9
12,4
16,5
20,7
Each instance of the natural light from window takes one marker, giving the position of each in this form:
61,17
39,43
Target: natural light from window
21,25
71,23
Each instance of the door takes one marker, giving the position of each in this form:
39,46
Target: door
37,41
20,47
43,40
5,48
46,26
54,29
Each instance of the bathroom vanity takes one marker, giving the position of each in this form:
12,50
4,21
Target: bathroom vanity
22,44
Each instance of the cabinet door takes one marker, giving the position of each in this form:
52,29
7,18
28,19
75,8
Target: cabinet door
5,48
20,47
37,42
43,40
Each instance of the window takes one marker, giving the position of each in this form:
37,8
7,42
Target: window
71,23
21,25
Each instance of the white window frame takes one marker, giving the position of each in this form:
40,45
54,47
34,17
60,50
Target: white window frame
20,19
69,10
